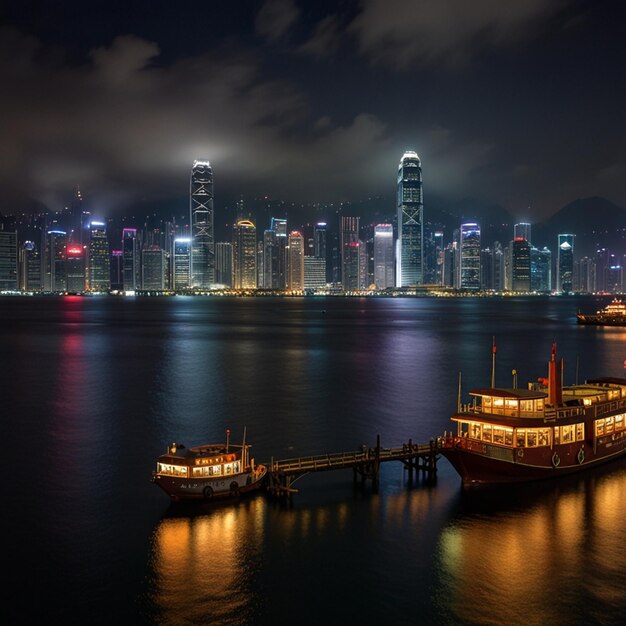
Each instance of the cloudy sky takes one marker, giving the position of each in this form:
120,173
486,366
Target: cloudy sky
519,103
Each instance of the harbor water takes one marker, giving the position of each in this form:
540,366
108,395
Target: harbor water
93,389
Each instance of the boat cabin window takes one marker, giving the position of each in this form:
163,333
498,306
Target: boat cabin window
487,432
569,434
512,406
172,470
532,437
608,425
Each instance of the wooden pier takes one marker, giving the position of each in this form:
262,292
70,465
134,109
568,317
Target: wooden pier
365,464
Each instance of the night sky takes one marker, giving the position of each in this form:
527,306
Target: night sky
519,103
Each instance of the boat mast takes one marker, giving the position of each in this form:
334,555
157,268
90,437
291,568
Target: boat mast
243,451
493,363
458,401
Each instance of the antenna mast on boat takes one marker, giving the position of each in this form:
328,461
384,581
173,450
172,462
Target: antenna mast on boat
243,450
493,363
458,401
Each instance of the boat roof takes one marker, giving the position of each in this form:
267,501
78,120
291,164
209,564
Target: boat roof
610,380
519,394
180,451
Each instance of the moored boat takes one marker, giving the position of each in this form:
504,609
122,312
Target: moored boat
514,435
613,314
208,471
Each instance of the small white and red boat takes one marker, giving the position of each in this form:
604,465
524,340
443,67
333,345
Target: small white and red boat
208,471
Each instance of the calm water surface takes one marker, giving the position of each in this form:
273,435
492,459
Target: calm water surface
93,389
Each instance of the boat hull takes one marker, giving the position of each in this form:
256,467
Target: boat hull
592,320
211,488
485,464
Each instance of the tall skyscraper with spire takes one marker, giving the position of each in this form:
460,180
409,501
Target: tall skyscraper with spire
201,221
410,242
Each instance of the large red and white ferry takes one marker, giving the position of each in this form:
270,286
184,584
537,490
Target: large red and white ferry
547,430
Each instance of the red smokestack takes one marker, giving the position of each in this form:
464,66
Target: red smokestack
555,392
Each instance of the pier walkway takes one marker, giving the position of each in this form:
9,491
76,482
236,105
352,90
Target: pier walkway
365,463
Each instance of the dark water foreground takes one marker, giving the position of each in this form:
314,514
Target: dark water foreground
93,389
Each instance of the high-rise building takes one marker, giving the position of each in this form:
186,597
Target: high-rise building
450,262
131,251
30,267
522,231
296,261
270,260
182,263
75,268
350,253
8,260
383,256
202,230
131,256
224,264
540,270
99,263
153,268
56,276
117,270
469,262
320,247
244,255
314,272
520,265
410,243
565,263
279,226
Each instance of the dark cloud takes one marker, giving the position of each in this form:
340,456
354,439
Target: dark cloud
125,127
275,18
325,38
400,34
310,116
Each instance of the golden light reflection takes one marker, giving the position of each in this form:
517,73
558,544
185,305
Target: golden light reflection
505,565
202,564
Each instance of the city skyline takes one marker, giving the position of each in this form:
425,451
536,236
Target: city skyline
517,105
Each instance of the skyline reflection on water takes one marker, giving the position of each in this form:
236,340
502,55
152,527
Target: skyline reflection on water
96,388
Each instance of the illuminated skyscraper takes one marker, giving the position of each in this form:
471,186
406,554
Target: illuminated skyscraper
383,256
350,253
565,263
75,268
522,231
279,256
224,264
8,260
410,243
540,270
99,264
30,267
131,256
202,234
520,265
182,262
244,255
56,277
469,268
296,261
153,266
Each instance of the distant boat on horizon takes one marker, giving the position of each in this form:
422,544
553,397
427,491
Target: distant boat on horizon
613,314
